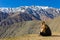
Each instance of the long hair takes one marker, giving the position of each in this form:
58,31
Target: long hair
46,30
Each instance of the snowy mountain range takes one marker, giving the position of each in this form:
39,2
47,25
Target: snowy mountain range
26,20
10,16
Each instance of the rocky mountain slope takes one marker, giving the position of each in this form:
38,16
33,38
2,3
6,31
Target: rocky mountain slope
10,16
27,19
29,27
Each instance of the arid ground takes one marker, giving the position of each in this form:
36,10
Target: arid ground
34,37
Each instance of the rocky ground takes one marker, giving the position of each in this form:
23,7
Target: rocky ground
34,37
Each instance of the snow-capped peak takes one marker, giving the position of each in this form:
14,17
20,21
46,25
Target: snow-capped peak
22,8
44,7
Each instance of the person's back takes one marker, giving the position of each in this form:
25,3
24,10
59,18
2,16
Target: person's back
45,30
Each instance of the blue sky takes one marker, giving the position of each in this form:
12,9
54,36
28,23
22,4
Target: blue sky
17,3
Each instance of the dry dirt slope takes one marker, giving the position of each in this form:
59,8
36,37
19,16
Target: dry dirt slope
55,25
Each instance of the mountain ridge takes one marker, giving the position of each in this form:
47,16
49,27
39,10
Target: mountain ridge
27,13
27,21
25,7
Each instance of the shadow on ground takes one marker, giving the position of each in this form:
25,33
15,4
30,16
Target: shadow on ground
55,35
